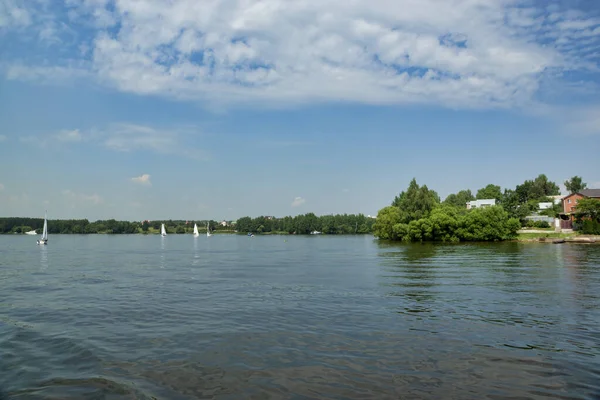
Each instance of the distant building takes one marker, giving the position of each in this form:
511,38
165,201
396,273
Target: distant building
570,201
481,203
556,199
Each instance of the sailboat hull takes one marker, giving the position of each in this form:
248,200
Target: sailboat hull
42,241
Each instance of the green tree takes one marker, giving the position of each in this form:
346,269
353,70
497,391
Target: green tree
387,218
588,207
460,199
488,224
490,192
575,184
536,189
416,202
546,187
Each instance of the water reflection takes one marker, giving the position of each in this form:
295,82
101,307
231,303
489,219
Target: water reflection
409,275
419,252
43,258
163,244
196,259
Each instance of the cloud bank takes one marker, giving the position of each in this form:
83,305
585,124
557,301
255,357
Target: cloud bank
454,53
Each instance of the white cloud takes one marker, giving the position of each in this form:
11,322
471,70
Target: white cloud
82,197
13,13
298,201
130,137
142,180
127,137
457,53
69,135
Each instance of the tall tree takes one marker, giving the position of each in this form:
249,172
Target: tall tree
490,192
546,187
459,199
536,189
575,184
417,202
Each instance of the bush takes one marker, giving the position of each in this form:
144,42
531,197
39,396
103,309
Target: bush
541,224
590,227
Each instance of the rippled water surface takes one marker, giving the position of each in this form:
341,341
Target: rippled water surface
232,317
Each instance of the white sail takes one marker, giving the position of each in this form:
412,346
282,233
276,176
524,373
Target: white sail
45,231
44,238
163,232
207,230
196,230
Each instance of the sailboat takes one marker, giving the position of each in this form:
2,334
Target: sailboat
196,234
208,230
163,232
44,238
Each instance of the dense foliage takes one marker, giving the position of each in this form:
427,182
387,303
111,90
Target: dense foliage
82,226
588,216
460,199
301,224
417,215
307,223
575,184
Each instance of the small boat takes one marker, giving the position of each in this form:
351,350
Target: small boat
163,231
33,232
208,230
315,233
196,234
44,238
250,234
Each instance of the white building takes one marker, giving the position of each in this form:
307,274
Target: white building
481,203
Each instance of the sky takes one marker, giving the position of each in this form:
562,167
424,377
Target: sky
188,109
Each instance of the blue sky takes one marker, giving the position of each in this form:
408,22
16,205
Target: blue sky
129,109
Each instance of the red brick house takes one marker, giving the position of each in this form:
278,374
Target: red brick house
570,201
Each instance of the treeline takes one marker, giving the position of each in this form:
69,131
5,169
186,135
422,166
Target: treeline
588,216
520,202
111,226
307,223
418,214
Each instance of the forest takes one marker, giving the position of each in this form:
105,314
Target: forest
307,223
111,226
418,214
300,224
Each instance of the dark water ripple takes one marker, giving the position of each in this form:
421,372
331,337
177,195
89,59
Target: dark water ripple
228,317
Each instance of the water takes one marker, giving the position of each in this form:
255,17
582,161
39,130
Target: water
231,317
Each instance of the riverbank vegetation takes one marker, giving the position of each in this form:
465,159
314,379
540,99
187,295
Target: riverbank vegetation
300,224
111,226
588,216
307,223
418,215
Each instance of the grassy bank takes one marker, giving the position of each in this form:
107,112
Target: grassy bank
533,237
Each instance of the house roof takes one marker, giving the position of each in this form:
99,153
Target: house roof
590,192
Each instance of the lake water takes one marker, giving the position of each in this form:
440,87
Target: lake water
233,317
